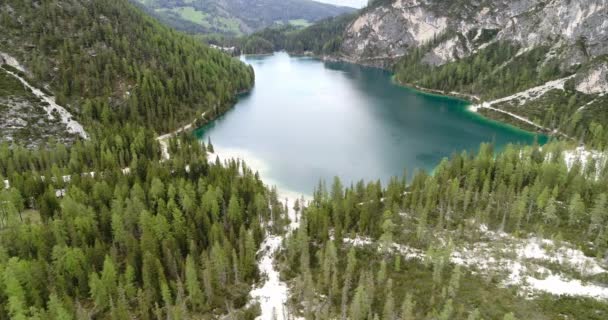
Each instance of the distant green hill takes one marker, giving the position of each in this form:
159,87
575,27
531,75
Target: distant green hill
238,17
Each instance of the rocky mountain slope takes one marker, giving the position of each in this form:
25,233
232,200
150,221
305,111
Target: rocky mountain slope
25,116
237,17
489,50
576,31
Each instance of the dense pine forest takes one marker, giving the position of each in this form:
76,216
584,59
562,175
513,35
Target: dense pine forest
115,66
409,250
160,240
102,228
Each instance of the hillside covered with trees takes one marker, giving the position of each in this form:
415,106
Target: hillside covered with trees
156,241
113,65
470,241
105,227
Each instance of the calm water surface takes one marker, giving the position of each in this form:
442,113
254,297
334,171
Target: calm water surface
307,120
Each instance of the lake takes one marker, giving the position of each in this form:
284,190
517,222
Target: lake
307,120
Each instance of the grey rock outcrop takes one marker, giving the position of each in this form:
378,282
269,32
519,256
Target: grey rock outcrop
577,31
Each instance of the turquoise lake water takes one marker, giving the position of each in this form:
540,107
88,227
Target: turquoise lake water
308,120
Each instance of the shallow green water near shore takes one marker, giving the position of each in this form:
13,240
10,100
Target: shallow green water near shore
307,120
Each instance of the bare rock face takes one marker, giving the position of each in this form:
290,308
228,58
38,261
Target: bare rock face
594,80
11,61
390,31
577,30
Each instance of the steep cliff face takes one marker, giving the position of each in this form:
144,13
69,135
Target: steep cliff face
575,30
497,51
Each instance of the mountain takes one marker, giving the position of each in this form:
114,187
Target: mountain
539,64
107,63
542,60
575,31
97,219
237,17
116,222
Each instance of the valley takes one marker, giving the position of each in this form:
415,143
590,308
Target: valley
488,49
237,17
351,121
146,175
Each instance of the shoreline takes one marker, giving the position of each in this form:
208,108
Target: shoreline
256,165
195,124
465,97
474,107
255,54
474,101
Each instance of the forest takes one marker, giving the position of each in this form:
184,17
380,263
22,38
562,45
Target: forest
498,71
109,228
102,228
368,251
160,240
323,37
116,66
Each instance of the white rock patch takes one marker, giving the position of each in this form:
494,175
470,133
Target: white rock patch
555,285
596,82
424,27
449,50
583,156
273,294
65,116
11,61
517,260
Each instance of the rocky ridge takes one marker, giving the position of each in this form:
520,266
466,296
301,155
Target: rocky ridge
577,31
557,39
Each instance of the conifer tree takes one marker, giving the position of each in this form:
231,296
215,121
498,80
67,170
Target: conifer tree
210,148
576,209
407,308
388,312
193,286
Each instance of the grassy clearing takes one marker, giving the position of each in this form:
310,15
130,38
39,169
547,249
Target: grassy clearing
228,25
300,23
190,14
